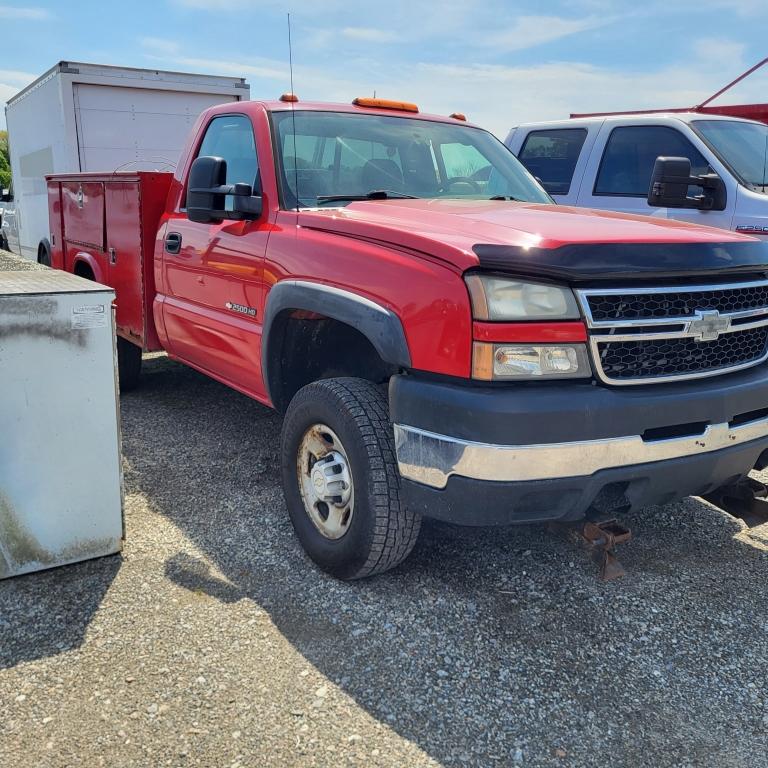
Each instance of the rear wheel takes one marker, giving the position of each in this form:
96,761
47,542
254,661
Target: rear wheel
128,364
44,254
341,481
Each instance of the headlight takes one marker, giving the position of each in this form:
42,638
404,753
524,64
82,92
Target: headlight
495,362
499,298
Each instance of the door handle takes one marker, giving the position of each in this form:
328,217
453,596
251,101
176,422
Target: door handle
173,242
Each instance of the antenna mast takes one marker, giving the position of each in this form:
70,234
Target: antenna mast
293,118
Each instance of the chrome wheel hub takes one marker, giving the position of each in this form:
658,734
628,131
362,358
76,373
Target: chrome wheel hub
325,481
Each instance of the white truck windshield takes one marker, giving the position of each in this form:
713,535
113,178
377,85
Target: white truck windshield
335,158
742,146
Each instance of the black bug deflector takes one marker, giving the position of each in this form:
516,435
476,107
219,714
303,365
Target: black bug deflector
592,262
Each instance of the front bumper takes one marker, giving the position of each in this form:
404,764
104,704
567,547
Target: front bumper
494,455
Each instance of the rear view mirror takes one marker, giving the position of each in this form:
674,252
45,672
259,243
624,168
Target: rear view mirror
207,192
671,179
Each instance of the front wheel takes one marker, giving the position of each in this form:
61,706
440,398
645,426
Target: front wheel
340,479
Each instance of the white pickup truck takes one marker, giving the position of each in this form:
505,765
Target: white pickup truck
608,162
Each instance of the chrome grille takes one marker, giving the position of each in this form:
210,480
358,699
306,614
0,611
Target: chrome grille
633,306
652,335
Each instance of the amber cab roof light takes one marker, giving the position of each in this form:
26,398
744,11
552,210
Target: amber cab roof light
402,106
459,116
289,97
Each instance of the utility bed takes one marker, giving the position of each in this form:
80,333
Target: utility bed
103,226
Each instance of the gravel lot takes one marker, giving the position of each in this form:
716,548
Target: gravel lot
212,641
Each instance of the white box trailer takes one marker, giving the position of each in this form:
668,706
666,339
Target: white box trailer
60,467
91,117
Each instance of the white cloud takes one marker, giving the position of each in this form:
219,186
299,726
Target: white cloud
493,96
15,77
160,46
368,34
21,12
530,31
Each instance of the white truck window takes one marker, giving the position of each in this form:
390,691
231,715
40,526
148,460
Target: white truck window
551,156
630,153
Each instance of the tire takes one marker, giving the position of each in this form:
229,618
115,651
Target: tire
44,254
380,532
128,364
3,242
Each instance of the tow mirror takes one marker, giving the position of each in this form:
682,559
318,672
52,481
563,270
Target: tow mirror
207,193
671,179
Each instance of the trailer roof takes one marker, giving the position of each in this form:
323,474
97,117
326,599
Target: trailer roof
133,73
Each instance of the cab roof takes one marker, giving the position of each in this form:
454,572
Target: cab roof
277,105
653,117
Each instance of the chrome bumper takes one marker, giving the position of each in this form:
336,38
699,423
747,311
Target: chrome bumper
430,459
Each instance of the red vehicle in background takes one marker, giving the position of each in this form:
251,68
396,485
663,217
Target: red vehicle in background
442,340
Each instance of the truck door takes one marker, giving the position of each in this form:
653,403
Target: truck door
619,171
213,273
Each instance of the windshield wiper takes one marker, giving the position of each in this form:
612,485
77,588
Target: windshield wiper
375,194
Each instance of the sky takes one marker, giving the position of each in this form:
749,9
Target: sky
501,62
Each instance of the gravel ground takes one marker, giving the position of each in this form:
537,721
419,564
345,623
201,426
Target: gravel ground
212,641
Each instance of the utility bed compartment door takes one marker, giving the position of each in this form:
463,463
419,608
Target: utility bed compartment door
124,253
83,213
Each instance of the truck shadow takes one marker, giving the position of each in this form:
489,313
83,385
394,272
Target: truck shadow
487,643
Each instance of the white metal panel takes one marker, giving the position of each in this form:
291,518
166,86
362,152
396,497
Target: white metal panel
60,473
39,143
137,128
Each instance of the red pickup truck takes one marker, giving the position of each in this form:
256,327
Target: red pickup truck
442,339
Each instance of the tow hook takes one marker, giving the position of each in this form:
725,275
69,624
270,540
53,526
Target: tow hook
746,499
602,537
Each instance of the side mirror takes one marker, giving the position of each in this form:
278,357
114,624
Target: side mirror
207,193
670,180
6,196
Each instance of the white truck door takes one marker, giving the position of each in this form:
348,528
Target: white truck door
557,157
135,128
619,170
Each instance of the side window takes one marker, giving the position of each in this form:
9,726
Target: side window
551,157
630,153
231,137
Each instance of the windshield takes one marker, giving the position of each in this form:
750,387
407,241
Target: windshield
743,147
339,157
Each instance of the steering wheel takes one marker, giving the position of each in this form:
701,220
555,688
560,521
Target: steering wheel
448,183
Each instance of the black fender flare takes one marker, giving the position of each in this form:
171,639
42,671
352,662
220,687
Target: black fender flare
379,325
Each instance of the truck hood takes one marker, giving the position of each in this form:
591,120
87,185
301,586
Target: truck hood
548,240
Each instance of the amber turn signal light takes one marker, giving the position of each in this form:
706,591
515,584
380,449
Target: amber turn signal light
289,97
459,116
482,361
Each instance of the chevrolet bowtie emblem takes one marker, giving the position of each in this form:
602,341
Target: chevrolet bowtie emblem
708,325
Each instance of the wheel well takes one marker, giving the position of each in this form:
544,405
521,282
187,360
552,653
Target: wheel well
305,347
83,269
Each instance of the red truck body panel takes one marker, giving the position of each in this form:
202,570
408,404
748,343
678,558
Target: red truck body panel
109,222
